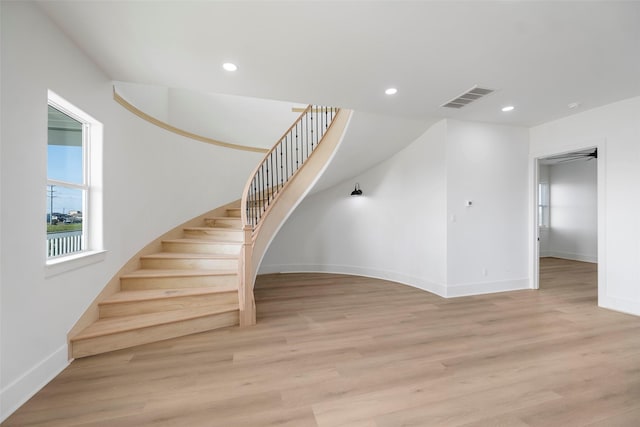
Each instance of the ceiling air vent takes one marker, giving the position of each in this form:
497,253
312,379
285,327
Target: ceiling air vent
468,97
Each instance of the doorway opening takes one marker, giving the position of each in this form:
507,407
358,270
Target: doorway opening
566,222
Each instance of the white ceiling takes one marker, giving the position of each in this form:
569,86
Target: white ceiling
539,56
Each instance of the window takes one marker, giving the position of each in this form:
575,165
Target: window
543,205
69,215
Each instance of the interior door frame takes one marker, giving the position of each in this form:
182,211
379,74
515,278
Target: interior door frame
534,159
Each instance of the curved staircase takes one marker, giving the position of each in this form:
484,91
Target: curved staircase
203,279
191,286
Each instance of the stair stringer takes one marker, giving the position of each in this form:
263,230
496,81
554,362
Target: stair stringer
287,199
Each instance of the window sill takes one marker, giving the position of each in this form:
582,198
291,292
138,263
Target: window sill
73,262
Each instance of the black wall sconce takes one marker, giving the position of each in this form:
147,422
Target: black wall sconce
357,191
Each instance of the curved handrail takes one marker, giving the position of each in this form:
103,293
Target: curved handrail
166,126
269,181
282,162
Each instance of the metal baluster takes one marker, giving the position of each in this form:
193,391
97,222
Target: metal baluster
297,153
281,167
263,200
271,188
255,191
307,132
299,141
311,117
286,161
266,183
290,159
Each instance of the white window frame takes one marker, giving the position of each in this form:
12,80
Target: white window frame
92,250
544,210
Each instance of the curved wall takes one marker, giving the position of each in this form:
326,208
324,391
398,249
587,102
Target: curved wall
396,230
233,119
412,225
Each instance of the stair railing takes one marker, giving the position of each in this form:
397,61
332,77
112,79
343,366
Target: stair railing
268,181
283,160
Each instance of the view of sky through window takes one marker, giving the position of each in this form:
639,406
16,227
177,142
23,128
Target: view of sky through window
64,162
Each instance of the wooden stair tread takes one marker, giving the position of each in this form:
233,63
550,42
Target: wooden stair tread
114,325
224,229
185,255
155,294
151,272
235,218
203,242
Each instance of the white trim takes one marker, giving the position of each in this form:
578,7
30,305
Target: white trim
67,184
63,264
394,276
571,256
481,288
61,104
24,387
621,305
601,145
535,236
440,289
91,187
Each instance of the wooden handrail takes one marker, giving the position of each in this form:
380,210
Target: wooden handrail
283,160
166,126
245,191
280,195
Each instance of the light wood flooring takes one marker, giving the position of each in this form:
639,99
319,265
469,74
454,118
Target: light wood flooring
333,350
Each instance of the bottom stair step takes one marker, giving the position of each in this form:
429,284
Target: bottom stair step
128,303
127,331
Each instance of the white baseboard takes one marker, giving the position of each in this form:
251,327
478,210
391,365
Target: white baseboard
620,304
23,388
446,291
416,282
467,289
572,256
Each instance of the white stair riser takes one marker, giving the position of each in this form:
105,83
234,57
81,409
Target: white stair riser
202,248
189,263
130,308
117,341
215,234
142,283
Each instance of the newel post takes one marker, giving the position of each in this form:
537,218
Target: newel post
245,290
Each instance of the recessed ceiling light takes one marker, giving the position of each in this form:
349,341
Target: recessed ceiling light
228,66
391,91
574,105
508,108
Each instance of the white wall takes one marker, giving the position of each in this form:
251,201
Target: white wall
486,242
228,118
234,119
615,130
573,231
396,231
153,181
402,229
150,99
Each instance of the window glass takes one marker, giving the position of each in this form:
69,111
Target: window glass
65,148
66,184
543,204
